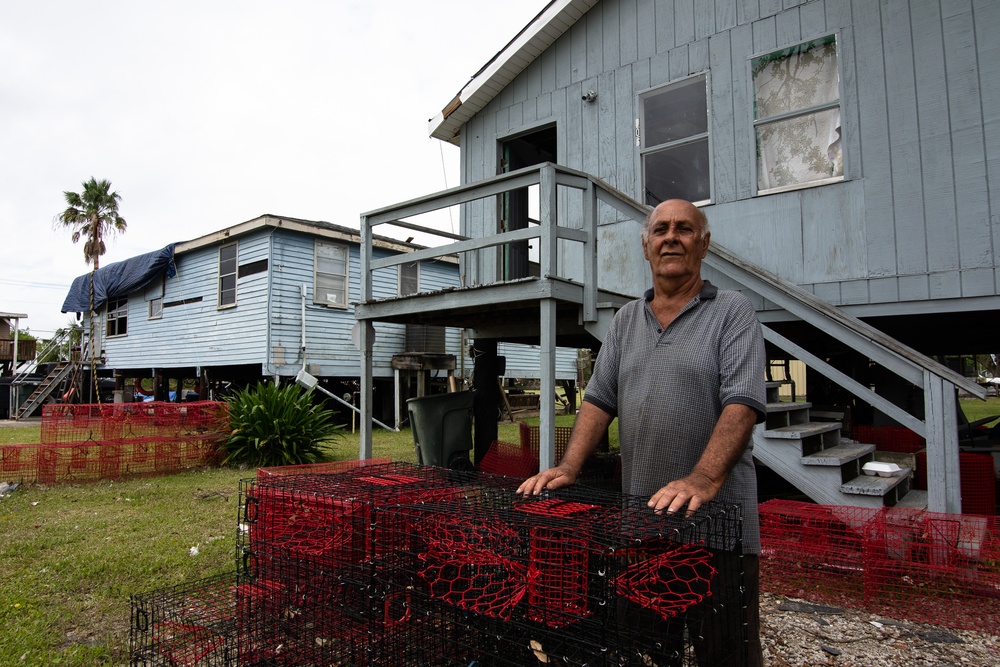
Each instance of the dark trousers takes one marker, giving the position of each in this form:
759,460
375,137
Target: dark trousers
721,631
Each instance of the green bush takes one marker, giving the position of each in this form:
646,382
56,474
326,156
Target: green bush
276,426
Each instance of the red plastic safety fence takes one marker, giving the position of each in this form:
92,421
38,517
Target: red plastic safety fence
888,438
977,478
82,443
509,459
903,563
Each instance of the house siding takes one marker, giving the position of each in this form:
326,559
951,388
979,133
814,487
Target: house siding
265,326
208,335
914,218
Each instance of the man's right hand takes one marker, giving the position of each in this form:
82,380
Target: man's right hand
551,479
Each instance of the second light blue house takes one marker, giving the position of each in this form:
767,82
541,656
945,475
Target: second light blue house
268,298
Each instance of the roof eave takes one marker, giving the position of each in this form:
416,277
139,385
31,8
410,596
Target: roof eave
557,17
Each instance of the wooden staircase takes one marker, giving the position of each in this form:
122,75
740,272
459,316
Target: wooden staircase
812,456
45,389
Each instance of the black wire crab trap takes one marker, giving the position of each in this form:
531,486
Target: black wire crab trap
309,550
188,624
400,565
576,577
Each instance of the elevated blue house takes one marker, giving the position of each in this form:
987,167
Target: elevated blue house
268,298
845,151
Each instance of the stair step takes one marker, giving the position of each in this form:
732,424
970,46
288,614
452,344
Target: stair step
787,406
874,485
915,499
798,431
838,456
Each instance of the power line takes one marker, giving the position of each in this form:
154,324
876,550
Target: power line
27,283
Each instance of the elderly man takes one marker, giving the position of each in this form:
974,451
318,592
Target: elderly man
683,370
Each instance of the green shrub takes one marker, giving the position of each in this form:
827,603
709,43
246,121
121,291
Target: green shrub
276,426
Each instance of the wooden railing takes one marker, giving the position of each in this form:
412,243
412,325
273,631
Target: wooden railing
25,350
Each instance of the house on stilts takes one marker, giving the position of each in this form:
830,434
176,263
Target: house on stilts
845,152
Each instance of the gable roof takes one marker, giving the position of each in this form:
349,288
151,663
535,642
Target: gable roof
314,227
557,17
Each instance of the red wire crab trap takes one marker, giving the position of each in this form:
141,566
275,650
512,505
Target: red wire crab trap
576,577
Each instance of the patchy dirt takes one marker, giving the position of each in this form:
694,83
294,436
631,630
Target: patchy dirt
796,633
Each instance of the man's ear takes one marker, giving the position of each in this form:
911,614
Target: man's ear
706,239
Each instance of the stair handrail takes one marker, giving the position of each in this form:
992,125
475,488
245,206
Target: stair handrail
799,302
26,369
938,382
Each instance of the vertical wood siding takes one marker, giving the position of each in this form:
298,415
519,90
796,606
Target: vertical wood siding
916,216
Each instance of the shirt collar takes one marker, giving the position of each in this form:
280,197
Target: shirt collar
708,291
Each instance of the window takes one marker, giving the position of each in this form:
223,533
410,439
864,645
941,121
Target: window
117,317
672,135
797,116
227,275
330,285
409,278
154,299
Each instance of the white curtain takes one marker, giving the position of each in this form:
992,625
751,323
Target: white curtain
805,148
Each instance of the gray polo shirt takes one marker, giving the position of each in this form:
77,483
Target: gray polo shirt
668,387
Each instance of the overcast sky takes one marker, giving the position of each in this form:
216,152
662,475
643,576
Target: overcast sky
206,114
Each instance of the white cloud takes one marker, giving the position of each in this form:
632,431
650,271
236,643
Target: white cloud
205,114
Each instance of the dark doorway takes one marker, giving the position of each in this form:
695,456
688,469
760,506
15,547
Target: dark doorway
522,151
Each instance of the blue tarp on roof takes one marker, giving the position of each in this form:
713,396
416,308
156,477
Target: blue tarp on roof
119,279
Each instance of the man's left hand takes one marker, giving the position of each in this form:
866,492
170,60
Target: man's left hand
692,491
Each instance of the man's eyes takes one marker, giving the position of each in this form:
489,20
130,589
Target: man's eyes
680,230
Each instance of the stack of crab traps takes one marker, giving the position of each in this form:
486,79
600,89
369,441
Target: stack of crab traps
401,565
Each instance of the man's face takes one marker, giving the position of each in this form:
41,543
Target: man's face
676,242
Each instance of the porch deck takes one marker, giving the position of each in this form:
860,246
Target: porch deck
507,311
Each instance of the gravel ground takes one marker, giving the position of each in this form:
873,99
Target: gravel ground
795,633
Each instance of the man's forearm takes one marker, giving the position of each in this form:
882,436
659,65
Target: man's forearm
728,442
591,424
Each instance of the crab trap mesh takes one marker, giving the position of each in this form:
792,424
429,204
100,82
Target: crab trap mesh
193,624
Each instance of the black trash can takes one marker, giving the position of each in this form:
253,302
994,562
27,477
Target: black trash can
442,429
5,397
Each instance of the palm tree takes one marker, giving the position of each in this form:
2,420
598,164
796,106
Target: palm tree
92,215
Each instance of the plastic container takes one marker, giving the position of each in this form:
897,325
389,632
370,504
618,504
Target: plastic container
442,429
